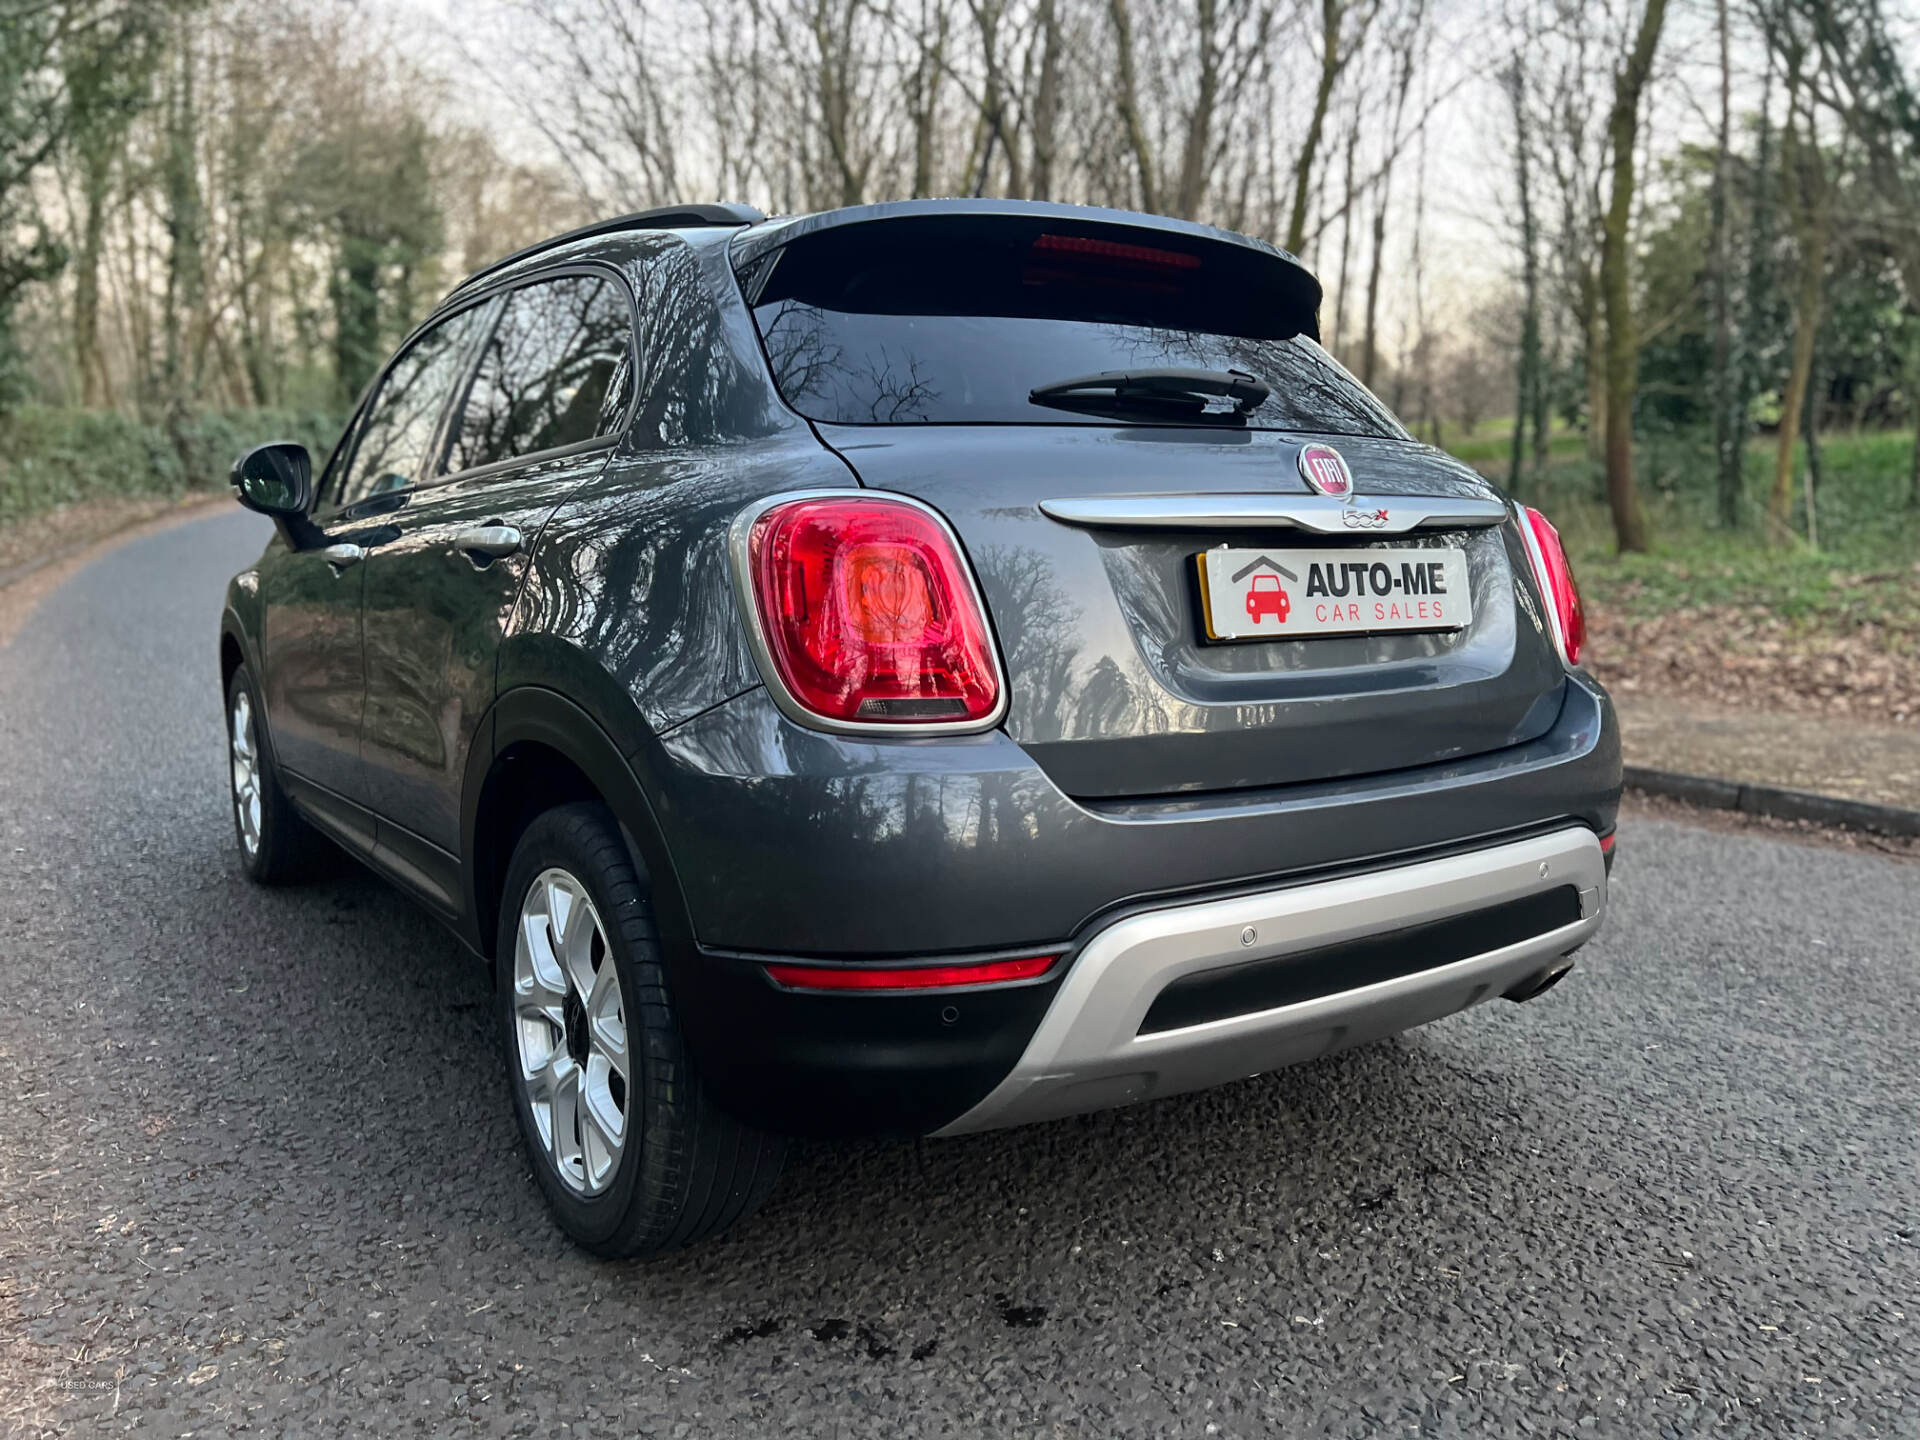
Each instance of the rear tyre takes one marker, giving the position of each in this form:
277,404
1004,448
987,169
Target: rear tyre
631,1156
276,845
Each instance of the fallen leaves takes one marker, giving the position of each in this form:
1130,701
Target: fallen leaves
1744,657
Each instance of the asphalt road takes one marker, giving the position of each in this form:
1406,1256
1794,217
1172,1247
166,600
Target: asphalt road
258,1171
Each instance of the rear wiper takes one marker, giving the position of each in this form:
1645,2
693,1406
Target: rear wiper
1166,392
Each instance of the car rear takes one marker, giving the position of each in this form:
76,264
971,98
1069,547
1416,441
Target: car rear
1146,650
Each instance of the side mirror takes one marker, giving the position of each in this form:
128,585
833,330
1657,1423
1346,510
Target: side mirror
275,480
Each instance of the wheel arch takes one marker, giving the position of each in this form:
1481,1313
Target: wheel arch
234,653
232,657
540,749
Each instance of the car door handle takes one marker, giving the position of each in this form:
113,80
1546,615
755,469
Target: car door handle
341,556
493,542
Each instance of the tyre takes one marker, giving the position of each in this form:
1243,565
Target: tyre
631,1156
276,844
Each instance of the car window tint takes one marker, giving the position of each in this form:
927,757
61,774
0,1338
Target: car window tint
957,321
556,371
399,425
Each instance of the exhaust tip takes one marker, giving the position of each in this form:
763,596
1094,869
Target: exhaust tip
1534,986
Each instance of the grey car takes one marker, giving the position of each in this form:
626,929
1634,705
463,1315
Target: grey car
905,671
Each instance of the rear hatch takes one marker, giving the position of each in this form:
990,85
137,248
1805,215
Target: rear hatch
914,343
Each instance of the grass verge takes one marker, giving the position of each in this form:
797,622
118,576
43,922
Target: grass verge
1863,575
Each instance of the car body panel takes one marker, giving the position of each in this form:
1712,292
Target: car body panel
434,616
1116,690
310,671
631,577
912,837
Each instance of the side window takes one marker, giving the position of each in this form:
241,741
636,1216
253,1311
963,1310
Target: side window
399,425
558,370
334,473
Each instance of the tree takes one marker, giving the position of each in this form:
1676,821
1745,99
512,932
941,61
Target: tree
1630,80
923,90
1810,208
1215,62
1343,30
1863,78
1405,51
1729,424
1530,400
1572,86
108,73
361,179
185,222
1761,298
46,46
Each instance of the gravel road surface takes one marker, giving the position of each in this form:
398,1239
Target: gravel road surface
258,1172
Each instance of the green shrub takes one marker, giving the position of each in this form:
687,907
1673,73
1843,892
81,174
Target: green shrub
51,456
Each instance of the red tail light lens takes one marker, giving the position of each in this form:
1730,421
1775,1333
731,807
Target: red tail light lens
870,615
1557,584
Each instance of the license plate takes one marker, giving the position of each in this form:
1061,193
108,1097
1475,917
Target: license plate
1286,594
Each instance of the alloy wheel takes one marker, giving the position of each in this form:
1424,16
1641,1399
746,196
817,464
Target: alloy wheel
246,773
570,1032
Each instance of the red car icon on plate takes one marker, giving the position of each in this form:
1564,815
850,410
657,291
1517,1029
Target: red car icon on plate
1265,597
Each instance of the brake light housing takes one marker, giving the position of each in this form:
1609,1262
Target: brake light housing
1551,568
864,615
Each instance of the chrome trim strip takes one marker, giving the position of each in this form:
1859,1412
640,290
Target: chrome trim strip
737,536
1319,514
1088,1054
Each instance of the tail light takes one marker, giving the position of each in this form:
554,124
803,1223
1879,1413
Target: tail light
1555,574
869,616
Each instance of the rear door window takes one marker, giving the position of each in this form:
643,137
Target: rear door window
557,371
398,431
955,320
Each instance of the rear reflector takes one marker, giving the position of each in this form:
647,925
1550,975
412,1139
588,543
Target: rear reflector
917,977
1606,843
1555,574
869,614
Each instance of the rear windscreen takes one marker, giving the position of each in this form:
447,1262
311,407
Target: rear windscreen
955,320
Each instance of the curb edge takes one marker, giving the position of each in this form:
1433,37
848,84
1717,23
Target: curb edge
1774,801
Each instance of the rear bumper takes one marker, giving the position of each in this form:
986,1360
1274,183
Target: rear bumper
1098,1044
791,844
1165,999
787,841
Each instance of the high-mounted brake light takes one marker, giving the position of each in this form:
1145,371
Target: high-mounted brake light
1050,243
1555,574
916,977
869,615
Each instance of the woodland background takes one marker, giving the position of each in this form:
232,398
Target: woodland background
1652,264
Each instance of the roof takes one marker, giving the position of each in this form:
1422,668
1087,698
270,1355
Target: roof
665,217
